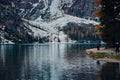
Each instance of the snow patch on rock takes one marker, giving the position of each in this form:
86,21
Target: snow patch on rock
51,28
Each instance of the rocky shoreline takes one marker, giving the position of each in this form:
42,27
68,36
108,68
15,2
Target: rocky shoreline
107,55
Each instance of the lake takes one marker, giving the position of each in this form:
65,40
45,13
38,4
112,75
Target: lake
53,61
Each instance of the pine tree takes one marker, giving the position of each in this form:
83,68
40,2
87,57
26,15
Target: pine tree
109,29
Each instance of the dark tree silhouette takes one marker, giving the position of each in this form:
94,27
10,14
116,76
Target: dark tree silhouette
109,14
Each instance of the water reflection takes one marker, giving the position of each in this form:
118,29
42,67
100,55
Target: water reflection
10,62
110,71
47,62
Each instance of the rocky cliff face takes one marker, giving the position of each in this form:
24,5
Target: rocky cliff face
42,20
49,9
12,28
80,8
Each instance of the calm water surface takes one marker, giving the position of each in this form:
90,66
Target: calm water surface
53,62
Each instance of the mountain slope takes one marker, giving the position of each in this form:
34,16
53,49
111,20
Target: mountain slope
12,28
44,20
53,29
49,20
50,9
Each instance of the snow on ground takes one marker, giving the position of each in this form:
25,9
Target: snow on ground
38,32
53,25
57,20
5,41
62,21
62,36
54,8
51,28
34,5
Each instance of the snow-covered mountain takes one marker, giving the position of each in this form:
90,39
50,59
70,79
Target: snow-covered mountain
45,19
53,28
51,9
